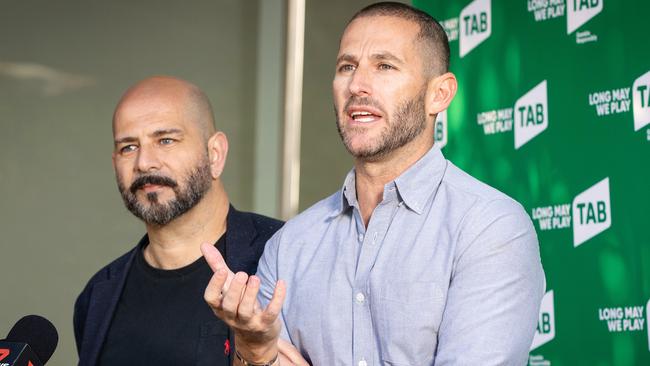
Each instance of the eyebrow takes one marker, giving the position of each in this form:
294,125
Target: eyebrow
346,57
379,56
124,140
170,131
157,133
386,56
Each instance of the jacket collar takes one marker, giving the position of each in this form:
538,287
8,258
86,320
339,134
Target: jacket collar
240,234
105,297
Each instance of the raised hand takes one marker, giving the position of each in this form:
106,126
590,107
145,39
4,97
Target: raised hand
233,298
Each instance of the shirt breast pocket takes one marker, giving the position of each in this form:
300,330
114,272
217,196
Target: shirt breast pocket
409,319
214,347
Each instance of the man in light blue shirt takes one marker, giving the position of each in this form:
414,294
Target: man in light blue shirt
412,262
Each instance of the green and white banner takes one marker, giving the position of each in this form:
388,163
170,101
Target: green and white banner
553,108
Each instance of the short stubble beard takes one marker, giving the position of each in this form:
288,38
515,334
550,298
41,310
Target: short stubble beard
403,127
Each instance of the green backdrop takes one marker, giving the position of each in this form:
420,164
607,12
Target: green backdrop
553,108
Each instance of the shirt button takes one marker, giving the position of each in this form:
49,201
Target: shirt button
363,363
360,237
360,297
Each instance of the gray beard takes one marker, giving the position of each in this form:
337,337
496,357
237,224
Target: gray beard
197,184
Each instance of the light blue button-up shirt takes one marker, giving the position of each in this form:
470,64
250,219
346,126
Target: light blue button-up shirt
446,273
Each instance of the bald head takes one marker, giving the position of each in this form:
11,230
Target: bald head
167,91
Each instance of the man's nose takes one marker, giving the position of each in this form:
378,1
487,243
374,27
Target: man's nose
148,159
360,83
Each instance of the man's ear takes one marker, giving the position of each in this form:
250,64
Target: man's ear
217,153
440,92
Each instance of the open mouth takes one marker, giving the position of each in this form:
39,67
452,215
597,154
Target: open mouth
363,115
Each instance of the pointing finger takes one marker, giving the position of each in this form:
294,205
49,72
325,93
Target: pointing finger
212,256
216,261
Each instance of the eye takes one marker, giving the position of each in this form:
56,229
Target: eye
166,141
346,67
386,67
128,148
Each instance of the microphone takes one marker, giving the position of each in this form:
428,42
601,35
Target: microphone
30,342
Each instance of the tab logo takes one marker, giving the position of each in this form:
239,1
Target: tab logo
546,323
580,12
591,212
531,114
619,100
529,117
475,25
641,101
440,129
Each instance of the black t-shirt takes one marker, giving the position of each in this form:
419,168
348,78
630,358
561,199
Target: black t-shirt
161,318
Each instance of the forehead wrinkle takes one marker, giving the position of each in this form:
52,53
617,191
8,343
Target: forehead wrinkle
374,25
142,116
184,101
376,49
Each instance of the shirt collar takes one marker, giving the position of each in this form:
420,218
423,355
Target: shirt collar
415,185
421,180
347,194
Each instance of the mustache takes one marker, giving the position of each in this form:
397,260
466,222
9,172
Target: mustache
359,101
159,180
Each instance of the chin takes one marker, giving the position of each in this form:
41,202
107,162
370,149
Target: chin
362,144
361,151
161,199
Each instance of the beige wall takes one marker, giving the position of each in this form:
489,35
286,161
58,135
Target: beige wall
63,66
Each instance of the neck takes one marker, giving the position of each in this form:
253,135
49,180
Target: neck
373,175
177,244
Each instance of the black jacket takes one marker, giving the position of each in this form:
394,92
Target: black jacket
246,235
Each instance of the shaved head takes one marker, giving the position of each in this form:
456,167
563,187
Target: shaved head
432,38
191,100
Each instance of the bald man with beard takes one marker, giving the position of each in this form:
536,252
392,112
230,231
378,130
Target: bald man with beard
147,307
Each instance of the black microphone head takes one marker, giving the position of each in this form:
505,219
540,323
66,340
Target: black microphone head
38,332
